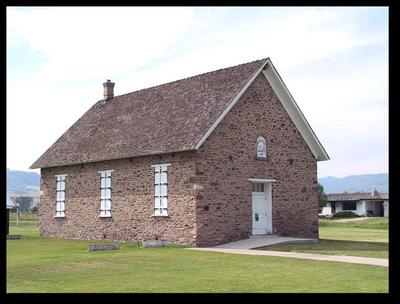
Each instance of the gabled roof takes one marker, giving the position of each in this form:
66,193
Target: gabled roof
173,117
356,196
10,204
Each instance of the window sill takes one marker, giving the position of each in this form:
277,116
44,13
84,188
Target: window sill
158,215
59,216
105,216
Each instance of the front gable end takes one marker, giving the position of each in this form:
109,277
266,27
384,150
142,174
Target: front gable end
259,126
269,72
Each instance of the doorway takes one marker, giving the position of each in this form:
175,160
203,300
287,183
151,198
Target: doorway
262,208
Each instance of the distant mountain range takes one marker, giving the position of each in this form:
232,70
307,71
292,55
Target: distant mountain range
23,183
355,183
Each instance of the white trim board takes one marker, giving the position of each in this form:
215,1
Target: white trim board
288,103
160,165
294,112
262,180
106,171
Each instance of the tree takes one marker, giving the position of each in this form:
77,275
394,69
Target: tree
24,203
35,209
322,197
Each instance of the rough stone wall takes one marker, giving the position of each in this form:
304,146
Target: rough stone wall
224,195
132,201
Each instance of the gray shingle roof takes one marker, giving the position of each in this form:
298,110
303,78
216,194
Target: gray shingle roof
356,196
166,118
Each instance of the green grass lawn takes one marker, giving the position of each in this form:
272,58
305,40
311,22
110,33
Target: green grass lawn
36,264
369,223
367,238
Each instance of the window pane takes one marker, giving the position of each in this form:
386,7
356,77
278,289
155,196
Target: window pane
164,202
164,178
103,174
157,211
157,202
349,206
58,207
157,190
62,196
108,205
102,205
163,190
164,212
258,187
157,169
108,182
102,193
62,206
108,193
156,178
103,183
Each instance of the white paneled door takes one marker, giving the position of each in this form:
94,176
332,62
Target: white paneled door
262,209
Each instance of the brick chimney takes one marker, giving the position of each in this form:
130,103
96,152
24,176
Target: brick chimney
108,89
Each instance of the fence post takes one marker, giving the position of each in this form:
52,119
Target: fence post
17,217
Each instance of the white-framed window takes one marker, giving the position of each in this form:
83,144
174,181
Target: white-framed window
105,193
161,190
60,196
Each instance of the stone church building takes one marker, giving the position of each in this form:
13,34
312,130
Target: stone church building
205,160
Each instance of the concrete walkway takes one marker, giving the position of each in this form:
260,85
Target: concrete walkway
246,247
307,256
260,241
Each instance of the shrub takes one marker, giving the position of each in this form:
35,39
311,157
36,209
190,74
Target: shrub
345,214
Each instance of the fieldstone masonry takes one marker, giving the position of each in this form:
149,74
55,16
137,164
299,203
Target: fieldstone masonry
132,201
209,192
228,158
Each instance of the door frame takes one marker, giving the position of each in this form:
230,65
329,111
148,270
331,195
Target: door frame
268,196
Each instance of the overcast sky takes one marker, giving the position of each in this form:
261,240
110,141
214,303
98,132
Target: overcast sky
334,62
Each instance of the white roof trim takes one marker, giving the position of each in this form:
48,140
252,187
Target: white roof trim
294,112
261,180
289,104
228,108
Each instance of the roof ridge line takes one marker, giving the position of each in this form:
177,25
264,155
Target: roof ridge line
189,77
